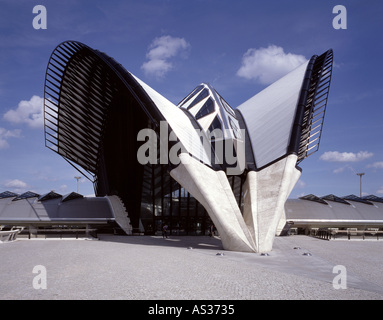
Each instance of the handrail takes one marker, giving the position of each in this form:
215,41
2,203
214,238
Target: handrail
9,235
328,233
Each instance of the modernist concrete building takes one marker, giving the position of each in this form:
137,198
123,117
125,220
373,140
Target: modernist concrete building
95,112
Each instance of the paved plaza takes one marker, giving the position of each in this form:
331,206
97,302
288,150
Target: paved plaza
189,268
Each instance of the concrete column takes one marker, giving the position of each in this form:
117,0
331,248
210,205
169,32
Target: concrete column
212,189
265,194
282,222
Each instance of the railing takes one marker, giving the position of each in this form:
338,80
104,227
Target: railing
60,232
350,233
9,235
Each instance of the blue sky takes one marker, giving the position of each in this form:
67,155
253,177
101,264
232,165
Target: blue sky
175,45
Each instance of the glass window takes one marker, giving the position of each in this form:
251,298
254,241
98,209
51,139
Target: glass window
216,124
8,194
200,97
206,109
26,195
226,105
331,197
235,128
191,95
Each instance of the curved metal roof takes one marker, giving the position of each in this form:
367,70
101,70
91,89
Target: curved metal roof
335,212
287,116
81,86
56,209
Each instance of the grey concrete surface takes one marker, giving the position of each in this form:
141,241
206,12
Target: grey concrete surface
144,267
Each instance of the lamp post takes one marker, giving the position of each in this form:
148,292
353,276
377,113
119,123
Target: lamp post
360,175
77,178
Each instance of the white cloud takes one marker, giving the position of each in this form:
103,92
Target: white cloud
161,50
376,165
157,67
335,156
29,112
341,169
268,64
300,184
91,195
380,191
63,189
6,134
16,185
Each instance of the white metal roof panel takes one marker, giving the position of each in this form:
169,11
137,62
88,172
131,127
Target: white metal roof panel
179,122
269,116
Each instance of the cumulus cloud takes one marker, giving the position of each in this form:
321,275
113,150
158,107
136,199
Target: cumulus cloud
6,134
28,112
16,185
63,189
376,165
335,156
161,50
341,169
300,184
267,65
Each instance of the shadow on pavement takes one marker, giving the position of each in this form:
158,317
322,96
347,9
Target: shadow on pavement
191,242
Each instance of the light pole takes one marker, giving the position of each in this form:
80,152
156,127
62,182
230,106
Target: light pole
360,175
77,178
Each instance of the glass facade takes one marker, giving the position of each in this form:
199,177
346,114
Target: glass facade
200,97
164,201
94,110
206,109
191,95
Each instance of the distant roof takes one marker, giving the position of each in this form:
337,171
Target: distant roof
345,200
332,197
353,197
371,197
71,196
49,195
26,195
7,194
349,211
312,197
53,208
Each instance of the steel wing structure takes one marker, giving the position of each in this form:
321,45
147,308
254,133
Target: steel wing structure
95,110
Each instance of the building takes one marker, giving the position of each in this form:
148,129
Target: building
55,215
189,165
339,215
